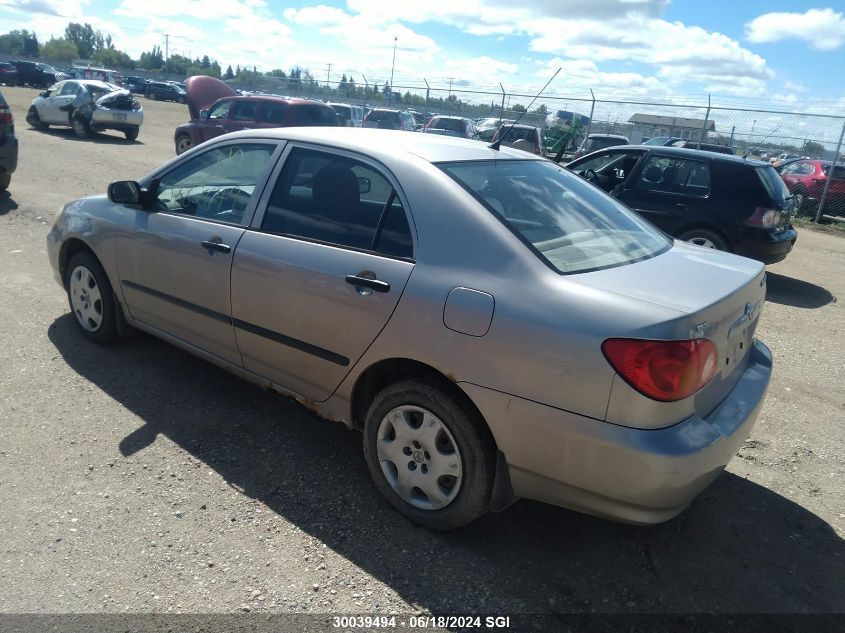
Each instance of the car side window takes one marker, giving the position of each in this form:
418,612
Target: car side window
218,184
244,111
790,169
674,175
220,110
272,113
804,169
337,200
69,88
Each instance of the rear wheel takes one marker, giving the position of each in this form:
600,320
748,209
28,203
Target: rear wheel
34,120
132,133
91,300
183,144
705,238
5,181
429,455
151,96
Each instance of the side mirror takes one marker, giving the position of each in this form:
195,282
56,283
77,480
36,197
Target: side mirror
364,185
203,115
125,192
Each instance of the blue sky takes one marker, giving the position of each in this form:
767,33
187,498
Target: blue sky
775,52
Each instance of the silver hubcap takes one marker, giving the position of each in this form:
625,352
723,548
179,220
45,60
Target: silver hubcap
702,241
419,457
183,145
85,299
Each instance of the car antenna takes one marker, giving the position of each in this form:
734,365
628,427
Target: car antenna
745,155
498,143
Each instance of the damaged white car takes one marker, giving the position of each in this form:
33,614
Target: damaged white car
87,106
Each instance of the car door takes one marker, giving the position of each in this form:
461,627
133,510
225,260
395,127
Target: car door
175,262
62,96
214,124
321,270
667,190
609,169
242,116
790,174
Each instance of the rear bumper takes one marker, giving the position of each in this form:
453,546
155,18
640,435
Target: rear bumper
8,154
108,119
765,245
621,473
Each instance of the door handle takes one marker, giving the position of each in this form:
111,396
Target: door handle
364,282
680,205
216,244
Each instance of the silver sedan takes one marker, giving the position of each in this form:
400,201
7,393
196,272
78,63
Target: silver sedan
496,326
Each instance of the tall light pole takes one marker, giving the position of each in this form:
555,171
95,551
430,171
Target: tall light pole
392,66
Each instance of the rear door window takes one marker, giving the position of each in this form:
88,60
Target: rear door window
309,115
340,201
272,113
669,174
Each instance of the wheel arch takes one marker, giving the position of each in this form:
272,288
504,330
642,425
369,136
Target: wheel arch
69,248
389,371
708,227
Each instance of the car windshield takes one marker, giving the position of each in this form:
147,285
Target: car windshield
568,223
444,123
47,68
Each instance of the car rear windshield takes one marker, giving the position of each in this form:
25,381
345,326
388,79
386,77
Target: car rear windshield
517,133
571,225
442,123
600,143
773,183
383,115
314,115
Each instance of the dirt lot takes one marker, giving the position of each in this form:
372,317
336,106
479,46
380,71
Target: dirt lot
138,478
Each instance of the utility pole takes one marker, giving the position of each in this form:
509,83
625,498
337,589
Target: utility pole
166,46
328,74
392,67
450,86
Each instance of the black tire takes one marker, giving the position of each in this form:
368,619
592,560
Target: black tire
700,236
132,133
80,125
472,440
183,144
180,99
34,120
151,95
106,331
5,181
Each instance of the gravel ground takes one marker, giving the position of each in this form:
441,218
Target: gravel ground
137,478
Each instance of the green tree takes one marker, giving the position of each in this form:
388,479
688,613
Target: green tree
811,148
153,60
12,42
229,74
113,58
542,109
87,40
518,107
59,49
277,72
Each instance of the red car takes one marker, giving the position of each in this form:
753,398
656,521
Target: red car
216,108
806,180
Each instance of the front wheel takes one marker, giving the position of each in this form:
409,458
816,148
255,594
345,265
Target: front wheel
132,133
705,238
183,144
429,455
34,120
91,300
180,99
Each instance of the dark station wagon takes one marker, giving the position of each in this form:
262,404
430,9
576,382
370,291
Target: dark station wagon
217,109
713,200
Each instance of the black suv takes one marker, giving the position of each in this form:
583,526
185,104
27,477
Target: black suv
8,145
713,200
135,85
164,91
36,74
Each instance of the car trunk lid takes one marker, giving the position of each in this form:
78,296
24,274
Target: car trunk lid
719,297
201,91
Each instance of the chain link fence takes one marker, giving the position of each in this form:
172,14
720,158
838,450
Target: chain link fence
567,122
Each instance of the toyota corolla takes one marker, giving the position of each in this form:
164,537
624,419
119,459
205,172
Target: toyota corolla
495,326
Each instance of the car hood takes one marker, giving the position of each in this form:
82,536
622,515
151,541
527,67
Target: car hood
201,91
686,278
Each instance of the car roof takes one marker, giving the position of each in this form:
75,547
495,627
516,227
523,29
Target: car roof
520,126
693,153
92,82
387,145
607,136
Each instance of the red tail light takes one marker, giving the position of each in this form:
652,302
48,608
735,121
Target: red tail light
663,370
763,217
6,115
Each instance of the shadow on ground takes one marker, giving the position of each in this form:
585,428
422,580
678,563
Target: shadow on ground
740,548
795,292
109,137
7,203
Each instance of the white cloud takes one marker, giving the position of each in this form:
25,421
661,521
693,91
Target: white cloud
823,29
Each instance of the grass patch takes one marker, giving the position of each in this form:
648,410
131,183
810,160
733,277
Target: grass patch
825,225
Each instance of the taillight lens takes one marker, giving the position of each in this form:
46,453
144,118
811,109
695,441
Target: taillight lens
663,370
765,218
6,115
